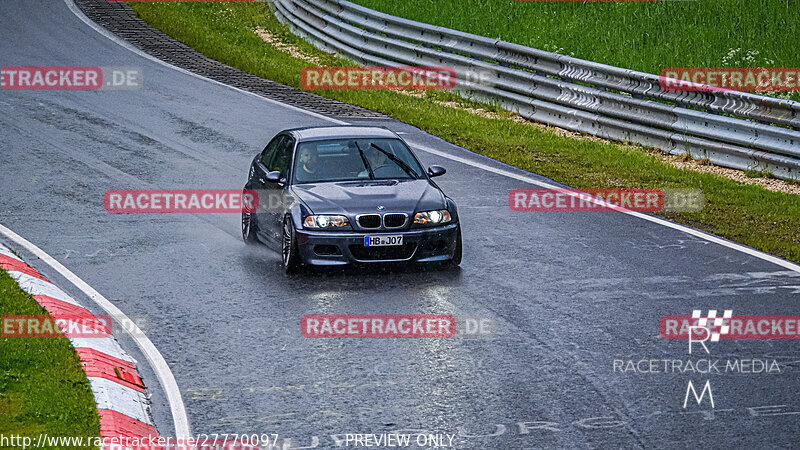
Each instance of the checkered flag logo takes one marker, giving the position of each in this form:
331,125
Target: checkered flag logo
716,329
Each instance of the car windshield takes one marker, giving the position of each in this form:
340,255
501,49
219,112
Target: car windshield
354,159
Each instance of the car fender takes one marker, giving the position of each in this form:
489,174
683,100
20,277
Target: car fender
297,210
451,206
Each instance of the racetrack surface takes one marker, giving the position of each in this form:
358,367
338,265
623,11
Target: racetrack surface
568,292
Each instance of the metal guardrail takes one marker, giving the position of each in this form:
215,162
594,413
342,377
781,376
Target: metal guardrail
732,129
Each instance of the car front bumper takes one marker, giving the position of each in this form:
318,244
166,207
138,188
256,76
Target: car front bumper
329,248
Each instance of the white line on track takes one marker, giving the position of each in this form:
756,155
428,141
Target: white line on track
149,350
675,226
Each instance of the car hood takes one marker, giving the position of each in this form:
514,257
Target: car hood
359,197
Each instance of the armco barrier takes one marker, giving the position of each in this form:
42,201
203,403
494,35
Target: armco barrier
731,129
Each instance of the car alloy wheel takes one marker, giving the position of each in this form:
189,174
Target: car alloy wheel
249,228
291,258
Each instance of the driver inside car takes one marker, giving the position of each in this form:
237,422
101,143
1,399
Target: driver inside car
308,164
380,164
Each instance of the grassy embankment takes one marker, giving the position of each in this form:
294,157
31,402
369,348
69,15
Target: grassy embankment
644,36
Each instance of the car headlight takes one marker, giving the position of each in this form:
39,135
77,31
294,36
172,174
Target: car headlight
432,217
326,221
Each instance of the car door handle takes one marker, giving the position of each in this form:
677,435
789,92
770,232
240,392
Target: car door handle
262,181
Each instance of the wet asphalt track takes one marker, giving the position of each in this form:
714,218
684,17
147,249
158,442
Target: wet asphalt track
568,292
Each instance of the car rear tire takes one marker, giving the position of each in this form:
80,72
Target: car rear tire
291,257
249,228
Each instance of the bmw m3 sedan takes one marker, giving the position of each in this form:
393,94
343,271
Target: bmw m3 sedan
343,195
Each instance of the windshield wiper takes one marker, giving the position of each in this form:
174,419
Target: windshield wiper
364,160
397,161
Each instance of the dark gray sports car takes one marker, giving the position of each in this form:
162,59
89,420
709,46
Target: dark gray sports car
340,195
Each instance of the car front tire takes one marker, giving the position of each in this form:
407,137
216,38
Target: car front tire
456,260
291,257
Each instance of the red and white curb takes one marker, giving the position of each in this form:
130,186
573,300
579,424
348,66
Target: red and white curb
118,390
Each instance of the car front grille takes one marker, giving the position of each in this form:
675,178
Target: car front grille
362,253
394,220
369,221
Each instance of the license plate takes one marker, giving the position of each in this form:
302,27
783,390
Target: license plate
382,241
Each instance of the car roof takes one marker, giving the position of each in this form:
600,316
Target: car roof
339,132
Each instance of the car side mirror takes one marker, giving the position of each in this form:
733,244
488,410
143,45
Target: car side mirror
274,176
435,171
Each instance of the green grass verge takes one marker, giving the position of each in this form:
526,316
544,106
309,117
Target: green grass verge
644,36
43,388
747,214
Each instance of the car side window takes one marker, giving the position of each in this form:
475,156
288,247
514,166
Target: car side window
269,150
283,157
